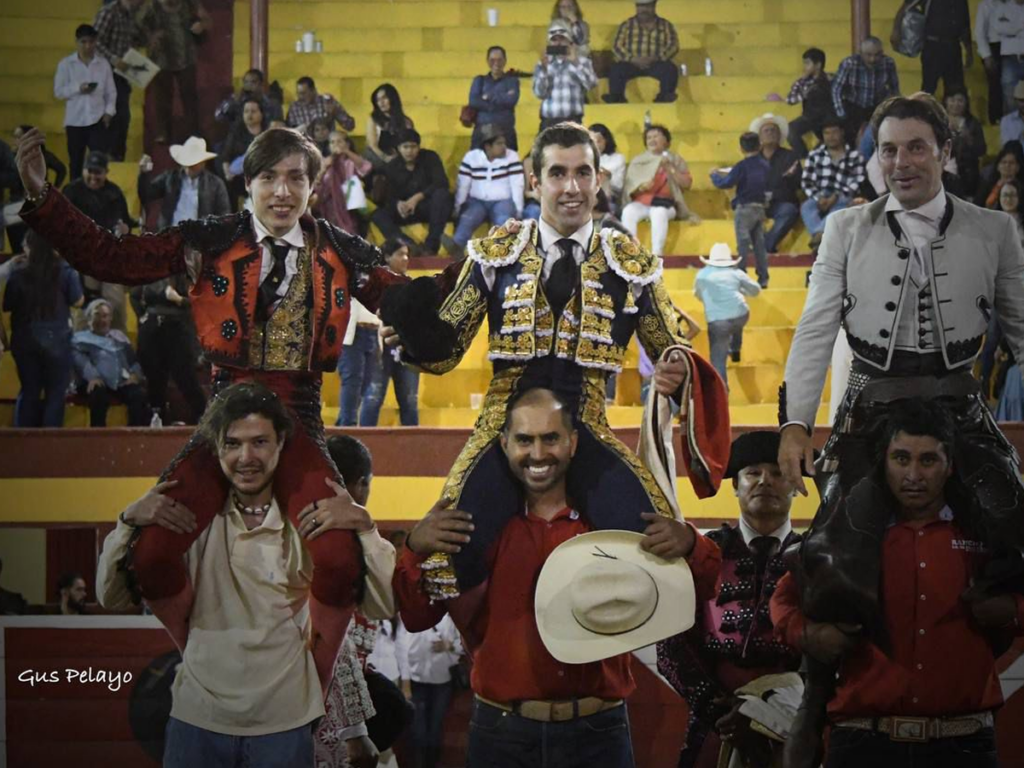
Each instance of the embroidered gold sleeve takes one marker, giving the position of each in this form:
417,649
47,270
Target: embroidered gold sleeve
464,310
658,324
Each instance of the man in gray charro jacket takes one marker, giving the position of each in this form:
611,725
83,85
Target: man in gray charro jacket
913,278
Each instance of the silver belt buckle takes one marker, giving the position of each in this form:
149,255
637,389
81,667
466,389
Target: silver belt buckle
909,729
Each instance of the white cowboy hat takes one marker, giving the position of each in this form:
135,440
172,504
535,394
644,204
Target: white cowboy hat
721,256
768,117
192,152
600,595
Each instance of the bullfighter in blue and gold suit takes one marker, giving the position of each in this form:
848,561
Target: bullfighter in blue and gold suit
570,344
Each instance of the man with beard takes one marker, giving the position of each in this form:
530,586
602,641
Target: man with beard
531,709
247,689
270,296
927,696
731,642
71,591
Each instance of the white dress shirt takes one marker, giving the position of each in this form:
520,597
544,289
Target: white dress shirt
294,238
390,654
426,665
780,533
85,109
188,201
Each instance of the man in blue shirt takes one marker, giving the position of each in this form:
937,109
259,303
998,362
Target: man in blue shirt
750,177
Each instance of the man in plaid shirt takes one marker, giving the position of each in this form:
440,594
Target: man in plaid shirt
862,82
117,32
309,105
831,179
644,46
561,80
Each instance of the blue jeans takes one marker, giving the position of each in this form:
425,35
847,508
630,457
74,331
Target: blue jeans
725,336
749,224
407,390
1011,72
476,212
499,739
430,703
783,216
814,219
852,748
188,746
531,210
42,353
358,366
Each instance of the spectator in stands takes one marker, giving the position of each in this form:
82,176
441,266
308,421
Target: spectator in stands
168,347
339,193
1009,24
387,122
654,185
72,592
12,220
570,12
831,179
644,47
230,110
721,288
613,169
11,603
750,178
359,364
431,655
862,82
319,130
39,296
241,134
8,175
86,82
947,26
562,78
116,33
309,104
102,201
494,97
783,178
1009,166
1010,202
814,92
172,27
406,379
417,192
106,366
989,41
189,191
489,186
968,139
1011,127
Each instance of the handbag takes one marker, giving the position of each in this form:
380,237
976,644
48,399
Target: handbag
467,116
908,29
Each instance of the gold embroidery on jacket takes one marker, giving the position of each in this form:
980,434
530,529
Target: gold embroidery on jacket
283,342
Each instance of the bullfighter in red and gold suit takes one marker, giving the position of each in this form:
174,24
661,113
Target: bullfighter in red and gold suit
270,295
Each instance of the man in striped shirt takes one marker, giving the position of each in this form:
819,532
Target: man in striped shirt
490,184
644,47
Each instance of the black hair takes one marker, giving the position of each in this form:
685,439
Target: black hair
307,81
392,244
239,401
816,55
494,48
609,139
919,418
563,135
85,30
407,136
42,271
526,396
257,72
351,457
662,129
275,144
67,580
833,120
958,90
920,106
750,142
395,121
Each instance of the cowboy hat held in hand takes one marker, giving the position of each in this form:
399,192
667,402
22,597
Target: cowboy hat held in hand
192,152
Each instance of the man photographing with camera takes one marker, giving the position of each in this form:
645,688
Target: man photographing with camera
562,78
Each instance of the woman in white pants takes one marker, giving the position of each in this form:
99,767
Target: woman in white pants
654,186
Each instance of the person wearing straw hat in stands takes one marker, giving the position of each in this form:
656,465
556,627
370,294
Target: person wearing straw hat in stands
550,687
187,192
722,289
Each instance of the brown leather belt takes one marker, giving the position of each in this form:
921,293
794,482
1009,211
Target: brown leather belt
921,728
554,711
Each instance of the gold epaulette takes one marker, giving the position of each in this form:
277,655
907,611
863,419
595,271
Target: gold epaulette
628,260
502,248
